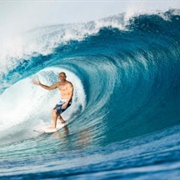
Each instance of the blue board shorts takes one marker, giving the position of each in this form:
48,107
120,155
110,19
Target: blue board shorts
58,106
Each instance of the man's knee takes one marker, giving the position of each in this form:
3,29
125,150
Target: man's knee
54,111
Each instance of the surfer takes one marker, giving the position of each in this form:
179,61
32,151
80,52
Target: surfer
66,89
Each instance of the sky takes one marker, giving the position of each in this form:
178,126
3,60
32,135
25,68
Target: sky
18,16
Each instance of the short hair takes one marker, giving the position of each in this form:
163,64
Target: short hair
63,73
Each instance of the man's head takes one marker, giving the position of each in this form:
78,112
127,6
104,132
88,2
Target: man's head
62,76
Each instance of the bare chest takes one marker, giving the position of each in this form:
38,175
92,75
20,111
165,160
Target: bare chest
63,87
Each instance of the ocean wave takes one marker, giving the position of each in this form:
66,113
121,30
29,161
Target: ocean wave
124,119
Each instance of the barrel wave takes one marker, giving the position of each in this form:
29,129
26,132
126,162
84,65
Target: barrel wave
124,121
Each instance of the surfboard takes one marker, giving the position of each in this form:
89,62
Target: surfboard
45,129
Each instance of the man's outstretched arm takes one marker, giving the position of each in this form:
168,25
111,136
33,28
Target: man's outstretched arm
54,86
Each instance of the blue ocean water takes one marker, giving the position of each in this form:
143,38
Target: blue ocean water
125,117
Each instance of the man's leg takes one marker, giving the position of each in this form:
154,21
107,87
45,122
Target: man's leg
54,119
61,119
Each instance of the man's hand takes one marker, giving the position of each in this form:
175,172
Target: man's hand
37,82
64,105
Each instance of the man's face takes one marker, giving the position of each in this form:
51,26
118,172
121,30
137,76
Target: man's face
62,76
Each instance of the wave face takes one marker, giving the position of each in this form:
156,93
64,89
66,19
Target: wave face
127,97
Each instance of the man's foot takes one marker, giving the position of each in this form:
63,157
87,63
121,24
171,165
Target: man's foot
52,127
63,122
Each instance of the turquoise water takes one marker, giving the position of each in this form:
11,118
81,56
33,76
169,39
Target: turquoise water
124,119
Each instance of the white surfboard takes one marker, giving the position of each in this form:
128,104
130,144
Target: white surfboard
46,129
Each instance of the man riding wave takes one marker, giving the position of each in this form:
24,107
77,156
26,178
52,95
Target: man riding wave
66,89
